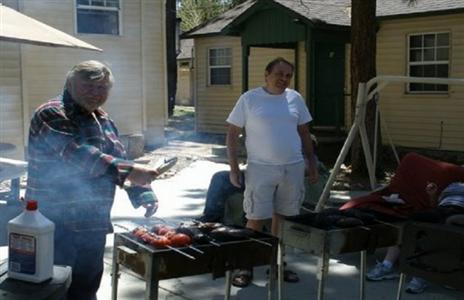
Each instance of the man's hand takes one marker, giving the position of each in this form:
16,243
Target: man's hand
150,209
432,191
313,174
142,175
232,140
235,178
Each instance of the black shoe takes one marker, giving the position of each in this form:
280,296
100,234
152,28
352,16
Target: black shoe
242,278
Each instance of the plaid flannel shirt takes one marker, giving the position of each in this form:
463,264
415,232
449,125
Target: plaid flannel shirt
75,161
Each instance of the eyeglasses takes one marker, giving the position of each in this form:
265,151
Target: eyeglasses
99,88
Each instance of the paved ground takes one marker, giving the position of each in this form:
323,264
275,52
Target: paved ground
181,198
181,193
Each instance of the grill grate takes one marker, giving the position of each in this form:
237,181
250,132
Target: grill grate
434,252
153,264
323,243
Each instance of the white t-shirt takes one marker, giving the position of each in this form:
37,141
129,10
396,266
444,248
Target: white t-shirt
270,122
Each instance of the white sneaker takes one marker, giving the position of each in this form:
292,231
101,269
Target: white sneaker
416,286
381,272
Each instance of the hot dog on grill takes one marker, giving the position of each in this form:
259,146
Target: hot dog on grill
228,233
194,233
169,237
161,236
161,229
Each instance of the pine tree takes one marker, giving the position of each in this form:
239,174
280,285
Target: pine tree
196,12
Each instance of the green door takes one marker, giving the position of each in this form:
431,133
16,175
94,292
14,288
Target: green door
329,81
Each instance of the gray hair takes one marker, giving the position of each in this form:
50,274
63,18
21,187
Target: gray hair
90,70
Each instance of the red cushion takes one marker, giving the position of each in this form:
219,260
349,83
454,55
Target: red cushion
409,181
413,174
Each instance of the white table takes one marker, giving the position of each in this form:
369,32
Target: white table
52,289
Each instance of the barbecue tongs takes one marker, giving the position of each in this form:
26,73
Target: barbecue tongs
164,164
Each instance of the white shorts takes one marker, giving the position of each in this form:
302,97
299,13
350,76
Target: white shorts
273,189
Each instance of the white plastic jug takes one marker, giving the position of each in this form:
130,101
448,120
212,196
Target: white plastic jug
30,245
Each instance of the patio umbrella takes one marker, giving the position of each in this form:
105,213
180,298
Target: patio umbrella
17,27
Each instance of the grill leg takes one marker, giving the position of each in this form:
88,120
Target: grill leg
151,278
114,272
362,274
400,286
228,284
280,269
272,273
322,274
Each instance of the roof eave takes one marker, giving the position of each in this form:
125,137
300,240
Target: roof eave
422,14
334,27
230,29
188,34
200,35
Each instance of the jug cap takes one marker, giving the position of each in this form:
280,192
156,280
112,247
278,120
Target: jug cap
31,205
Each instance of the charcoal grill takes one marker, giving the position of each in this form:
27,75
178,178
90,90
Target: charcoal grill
154,264
434,252
324,243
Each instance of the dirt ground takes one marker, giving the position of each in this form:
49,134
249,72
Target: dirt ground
189,146
181,142
184,143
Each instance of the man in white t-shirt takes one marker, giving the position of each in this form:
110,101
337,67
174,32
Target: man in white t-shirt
275,119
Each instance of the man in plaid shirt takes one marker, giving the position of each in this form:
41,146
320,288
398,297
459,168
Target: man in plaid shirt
75,161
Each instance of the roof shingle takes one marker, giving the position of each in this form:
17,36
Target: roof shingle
402,7
333,12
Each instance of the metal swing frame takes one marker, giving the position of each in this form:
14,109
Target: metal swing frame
365,94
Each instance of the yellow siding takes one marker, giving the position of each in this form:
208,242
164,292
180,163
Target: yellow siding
426,121
11,125
137,102
154,70
183,96
213,103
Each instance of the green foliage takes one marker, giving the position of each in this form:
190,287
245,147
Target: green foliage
196,12
233,3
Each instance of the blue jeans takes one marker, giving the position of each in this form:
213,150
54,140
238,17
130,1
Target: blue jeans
219,190
83,251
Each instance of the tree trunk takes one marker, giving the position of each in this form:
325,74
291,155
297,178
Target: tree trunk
171,53
363,59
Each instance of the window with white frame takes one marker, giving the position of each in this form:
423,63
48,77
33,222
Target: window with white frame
98,16
220,64
429,57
